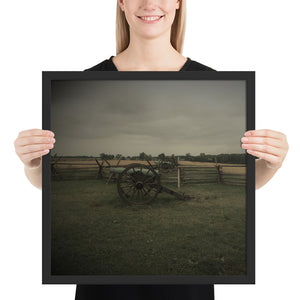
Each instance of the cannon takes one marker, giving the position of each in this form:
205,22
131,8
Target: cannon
140,184
167,162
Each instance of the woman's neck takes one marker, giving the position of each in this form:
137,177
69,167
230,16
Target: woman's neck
145,54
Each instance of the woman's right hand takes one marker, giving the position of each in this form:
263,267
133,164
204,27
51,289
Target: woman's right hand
32,144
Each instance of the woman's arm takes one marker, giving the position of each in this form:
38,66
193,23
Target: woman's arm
30,146
270,147
34,175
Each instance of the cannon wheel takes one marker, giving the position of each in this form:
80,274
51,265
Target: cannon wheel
138,184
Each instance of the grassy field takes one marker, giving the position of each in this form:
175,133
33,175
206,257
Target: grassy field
95,233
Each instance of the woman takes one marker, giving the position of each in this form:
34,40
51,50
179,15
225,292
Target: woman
149,36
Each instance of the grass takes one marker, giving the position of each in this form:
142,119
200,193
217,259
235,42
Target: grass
95,233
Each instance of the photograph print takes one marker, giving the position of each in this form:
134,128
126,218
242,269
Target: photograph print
148,178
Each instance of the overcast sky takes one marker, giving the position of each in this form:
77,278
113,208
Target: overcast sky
151,116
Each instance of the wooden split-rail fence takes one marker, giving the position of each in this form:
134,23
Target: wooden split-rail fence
180,175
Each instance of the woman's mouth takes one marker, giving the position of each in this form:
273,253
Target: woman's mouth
150,19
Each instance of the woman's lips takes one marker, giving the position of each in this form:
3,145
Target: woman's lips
150,19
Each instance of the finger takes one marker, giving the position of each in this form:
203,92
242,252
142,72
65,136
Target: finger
272,159
31,140
266,133
34,148
26,158
263,148
32,132
262,141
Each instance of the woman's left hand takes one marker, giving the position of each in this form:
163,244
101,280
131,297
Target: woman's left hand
266,144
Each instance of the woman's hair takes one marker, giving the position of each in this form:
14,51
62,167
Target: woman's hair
177,30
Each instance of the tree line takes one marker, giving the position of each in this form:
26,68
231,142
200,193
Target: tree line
202,157
232,158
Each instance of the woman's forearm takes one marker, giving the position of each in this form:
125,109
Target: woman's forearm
263,173
34,175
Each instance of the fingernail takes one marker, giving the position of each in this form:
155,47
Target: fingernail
248,133
244,139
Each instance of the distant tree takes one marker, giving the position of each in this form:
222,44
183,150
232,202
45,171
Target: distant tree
106,156
118,156
161,156
142,156
188,156
103,156
231,158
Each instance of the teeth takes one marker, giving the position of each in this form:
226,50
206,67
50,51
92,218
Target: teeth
150,18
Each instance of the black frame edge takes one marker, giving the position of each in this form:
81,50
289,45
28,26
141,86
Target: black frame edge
48,76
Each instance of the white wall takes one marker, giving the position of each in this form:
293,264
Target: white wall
73,35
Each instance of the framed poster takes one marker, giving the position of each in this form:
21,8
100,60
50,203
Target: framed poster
147,182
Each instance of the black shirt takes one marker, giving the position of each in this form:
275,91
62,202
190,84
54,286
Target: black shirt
146,292
190,65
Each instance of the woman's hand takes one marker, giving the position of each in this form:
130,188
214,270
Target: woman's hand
269,145
31,145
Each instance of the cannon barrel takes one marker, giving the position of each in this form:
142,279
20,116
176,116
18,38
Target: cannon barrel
119,170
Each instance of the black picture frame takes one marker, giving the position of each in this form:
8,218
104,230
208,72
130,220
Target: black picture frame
47,80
